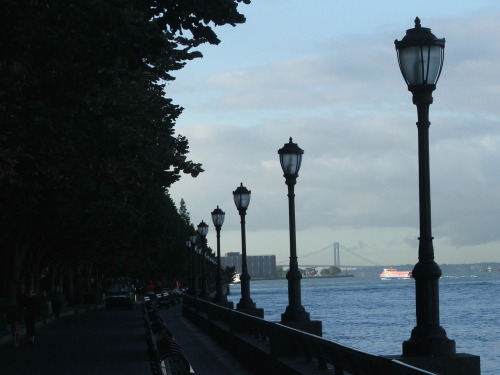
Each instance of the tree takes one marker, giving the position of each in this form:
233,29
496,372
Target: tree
330,271
87,143
280,272
228,274
183,212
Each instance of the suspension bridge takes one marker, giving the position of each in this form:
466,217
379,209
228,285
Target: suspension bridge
334,248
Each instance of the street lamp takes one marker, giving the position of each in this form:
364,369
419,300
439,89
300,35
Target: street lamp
202,231
241,198
290,159
190,263
199,265
193,289
218,220
420,56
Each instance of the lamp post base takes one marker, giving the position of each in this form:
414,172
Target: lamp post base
428,340
295,315
416,348
455,364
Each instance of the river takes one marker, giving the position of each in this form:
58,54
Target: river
377,316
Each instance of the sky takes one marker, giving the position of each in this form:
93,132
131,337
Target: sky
325,72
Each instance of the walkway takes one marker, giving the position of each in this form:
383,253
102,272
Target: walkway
100,342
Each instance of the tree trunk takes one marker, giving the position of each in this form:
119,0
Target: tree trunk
71,289
14,272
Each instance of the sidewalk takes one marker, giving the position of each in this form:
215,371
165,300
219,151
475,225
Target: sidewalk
7,337
90,342
98,342
205,355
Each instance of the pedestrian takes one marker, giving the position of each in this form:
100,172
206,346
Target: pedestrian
177,285
57,302
15,319
137,289
30,305
158,286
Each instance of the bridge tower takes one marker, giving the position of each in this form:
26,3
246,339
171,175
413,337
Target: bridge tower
336,254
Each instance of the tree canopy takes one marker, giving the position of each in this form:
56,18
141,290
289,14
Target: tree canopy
331,271
88,149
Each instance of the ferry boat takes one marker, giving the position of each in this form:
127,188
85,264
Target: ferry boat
394,274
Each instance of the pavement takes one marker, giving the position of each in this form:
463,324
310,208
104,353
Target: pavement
205,355
96,341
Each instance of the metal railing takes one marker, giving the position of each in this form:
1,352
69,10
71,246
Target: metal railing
167,357
293,346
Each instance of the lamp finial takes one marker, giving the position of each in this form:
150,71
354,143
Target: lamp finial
417,23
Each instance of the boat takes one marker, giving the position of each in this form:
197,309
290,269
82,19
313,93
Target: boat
236,279
394,274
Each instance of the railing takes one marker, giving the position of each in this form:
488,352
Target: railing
167,357
287,347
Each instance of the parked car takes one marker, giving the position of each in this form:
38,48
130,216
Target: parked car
119,294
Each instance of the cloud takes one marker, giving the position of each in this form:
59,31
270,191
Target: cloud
346,105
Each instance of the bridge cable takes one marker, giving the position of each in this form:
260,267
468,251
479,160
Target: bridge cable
353,252
309,254
350,251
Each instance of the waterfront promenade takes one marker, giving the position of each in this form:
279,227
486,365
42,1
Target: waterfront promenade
95,341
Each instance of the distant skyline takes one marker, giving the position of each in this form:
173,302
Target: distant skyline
326,74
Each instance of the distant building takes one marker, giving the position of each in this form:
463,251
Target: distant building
259,266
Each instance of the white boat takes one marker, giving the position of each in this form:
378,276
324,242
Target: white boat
236,279
394,274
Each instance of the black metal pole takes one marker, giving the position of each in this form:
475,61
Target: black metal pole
294,312
200,271
204,290
245,301
428,337
193,271
219,294
194,275
190,268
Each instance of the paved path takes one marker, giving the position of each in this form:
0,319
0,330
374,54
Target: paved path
205,355
101,342
94,342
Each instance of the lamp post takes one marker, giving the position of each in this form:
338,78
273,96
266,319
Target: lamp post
199,265
295,314
420,56
241,198
193,289
218,219
202,231
190,263
290,160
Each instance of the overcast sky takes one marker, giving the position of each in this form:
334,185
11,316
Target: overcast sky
325,73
